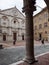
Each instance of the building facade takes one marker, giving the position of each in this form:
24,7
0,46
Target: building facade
12,25
41,25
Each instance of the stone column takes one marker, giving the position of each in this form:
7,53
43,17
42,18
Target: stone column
28,9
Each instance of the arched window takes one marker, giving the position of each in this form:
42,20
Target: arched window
14,21
4,17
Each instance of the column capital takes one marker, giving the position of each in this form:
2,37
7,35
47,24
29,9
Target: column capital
29,6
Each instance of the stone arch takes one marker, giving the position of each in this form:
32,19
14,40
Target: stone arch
5,18
18,20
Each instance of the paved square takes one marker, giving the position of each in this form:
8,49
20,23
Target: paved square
14,54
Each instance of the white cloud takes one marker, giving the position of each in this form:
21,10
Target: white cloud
41,4
4,4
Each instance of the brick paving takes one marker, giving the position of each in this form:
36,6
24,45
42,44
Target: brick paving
42,60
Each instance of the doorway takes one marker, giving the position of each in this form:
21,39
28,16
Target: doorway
40,36
4,37
15,36
22,37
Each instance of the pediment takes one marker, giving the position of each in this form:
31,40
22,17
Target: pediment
13,12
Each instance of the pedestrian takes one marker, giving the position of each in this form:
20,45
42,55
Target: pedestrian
42,41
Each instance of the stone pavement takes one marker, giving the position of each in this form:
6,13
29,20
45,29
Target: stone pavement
15,54
5,45
36,43
22,43
42,60
21,52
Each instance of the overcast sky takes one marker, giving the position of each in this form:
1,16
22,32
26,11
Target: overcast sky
5,4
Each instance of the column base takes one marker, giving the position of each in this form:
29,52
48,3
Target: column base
30,61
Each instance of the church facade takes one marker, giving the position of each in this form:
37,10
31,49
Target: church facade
12,25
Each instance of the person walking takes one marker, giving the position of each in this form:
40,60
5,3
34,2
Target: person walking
43,44
42,41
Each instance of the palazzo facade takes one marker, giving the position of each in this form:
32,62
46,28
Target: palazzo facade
41,25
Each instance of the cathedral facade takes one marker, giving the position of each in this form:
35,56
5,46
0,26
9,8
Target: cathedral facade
12,25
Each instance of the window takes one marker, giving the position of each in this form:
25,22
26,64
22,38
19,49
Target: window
45,32
4,18
48,19
45,24
40,26
40,18
35,33
45,15
35,27
0,31
22,22
14,21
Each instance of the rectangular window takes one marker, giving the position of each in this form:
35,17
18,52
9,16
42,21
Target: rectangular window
4,37
45,32
40,26
35,27
45,15
0,31
45,24
35,33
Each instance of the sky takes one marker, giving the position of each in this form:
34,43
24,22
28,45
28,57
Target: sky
5,4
